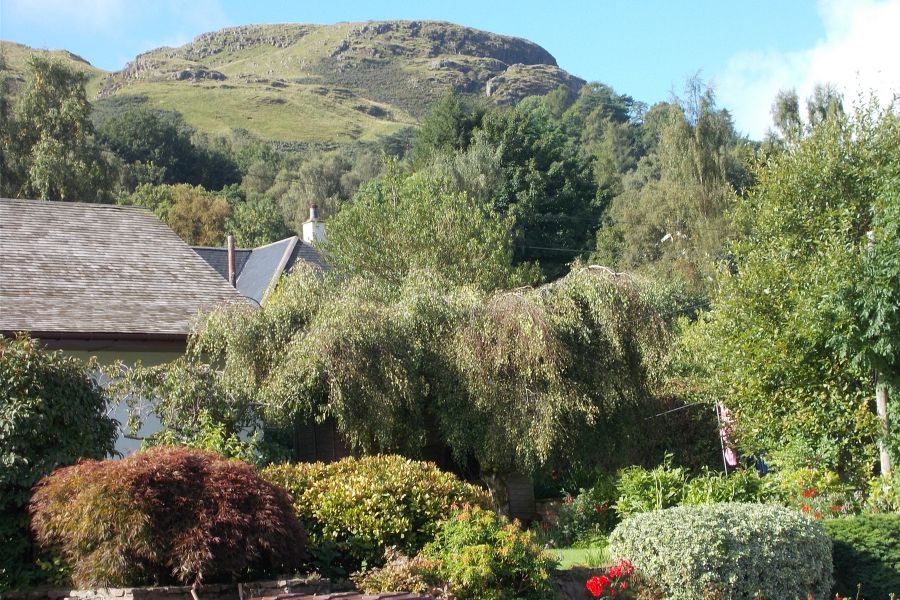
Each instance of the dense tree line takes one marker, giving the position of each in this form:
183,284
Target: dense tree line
790,241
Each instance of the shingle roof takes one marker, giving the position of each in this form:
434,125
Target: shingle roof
259,269
70,268
218,258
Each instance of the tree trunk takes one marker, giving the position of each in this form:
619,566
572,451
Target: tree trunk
881,396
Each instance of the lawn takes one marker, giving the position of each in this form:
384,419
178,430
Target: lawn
581,557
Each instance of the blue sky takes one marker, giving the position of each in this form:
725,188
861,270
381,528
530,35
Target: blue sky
748,50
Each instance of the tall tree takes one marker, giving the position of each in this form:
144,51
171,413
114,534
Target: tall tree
672,215
448,126
546,186
52,153
399,224
811,310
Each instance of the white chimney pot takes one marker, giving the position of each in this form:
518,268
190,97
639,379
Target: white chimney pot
313,227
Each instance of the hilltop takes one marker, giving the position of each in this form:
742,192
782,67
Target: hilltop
321,83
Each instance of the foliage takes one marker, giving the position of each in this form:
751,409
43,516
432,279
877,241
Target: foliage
417,575
256,222
186,397
819,493
401,224
52,412
546,188
198,217
492,376
671,217
798,328
728,550
587,514
208,434
355,508
485,557
169,515
743,485
884,493
163,140
50,152
641,490
867,552
449,125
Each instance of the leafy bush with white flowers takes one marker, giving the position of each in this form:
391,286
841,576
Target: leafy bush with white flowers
729,550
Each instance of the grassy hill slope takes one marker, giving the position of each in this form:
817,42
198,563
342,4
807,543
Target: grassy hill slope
325,83
13,57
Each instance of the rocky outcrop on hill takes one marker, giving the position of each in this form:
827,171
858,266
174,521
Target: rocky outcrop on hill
352,79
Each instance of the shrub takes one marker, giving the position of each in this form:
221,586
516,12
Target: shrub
586,515
642,490
485,557
356,507
867,552
52,412
417,575
166,515
745,485
817,492
884,494
729,550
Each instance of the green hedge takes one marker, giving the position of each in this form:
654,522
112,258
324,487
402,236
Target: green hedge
354,508
732,549
867,552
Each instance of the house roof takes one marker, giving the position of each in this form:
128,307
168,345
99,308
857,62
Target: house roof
91,271
259,269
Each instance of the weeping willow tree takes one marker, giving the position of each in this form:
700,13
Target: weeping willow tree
512,379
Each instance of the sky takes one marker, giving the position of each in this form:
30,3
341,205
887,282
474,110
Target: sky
747,50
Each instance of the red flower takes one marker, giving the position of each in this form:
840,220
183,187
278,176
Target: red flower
810,493
595,586
804,508
613,593
836,508
623,585
817,515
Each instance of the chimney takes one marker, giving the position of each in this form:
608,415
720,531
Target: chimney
232,270
313,227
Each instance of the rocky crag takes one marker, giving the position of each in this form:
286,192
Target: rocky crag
328,83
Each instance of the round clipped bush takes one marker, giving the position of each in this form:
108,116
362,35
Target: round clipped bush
482,556
167,515
730,550
866,552
354,508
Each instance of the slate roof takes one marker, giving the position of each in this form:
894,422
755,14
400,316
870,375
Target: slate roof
259,269
90,271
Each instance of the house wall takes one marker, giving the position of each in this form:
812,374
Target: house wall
126,443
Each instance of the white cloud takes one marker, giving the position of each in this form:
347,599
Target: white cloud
859,54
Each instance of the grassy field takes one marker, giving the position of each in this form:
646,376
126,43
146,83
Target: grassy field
316,83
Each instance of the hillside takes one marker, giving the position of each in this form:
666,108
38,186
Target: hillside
326,83
13,57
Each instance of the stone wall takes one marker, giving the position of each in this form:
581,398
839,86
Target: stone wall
220,591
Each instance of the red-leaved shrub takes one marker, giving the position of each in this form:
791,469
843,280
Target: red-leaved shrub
166,515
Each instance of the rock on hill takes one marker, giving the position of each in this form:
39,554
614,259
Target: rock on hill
329,83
